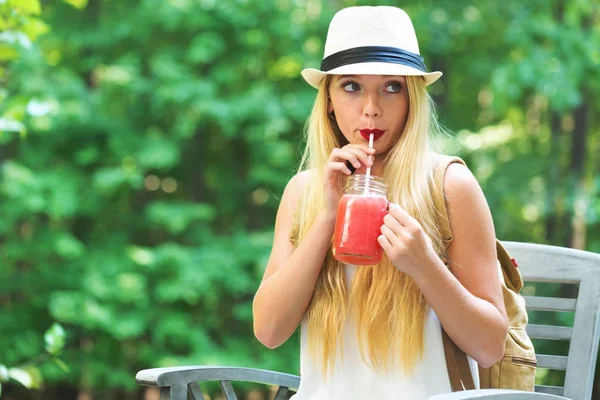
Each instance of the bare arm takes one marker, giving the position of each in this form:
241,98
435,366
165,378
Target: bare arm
468,301
291,274
469,298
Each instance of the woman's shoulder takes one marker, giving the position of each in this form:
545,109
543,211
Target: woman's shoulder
456,174
297,183
296,186
438,158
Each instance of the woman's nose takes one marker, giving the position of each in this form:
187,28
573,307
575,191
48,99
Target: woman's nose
371,108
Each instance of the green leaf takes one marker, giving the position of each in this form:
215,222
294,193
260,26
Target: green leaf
36,377
157,152
34,28
132,325
66,306
141,256
3,373
177,216
21,184
79,4
15,38
54,339
285,68
61,364
114,74
27,6
9,124
68,246
205,48
22,376
41,107
107,180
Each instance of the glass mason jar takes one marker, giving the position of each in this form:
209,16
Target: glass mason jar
359,218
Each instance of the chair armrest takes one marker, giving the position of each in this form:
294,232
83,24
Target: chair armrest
496,394
164,377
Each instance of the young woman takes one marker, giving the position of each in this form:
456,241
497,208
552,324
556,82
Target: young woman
375,331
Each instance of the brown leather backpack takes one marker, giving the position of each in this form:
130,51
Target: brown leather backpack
516,370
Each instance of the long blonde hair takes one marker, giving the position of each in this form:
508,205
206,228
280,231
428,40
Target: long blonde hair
386,305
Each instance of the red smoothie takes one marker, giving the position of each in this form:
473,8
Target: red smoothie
358,224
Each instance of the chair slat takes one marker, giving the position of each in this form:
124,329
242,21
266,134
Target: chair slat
194,392
555,390
549,332
549,303
552,362
165,393
583,349
544,263
227,389
281,393
174,392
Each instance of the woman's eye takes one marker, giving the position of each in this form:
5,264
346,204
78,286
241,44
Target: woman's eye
351,87
394,87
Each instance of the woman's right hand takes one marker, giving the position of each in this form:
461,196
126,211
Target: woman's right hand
336,172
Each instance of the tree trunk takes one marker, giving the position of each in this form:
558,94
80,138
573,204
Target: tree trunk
200,154
578,156
552,215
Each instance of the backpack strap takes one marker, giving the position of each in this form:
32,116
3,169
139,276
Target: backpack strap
457,363
442,162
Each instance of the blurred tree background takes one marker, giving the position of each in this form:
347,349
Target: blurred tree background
145,144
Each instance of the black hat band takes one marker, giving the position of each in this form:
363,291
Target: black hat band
364,54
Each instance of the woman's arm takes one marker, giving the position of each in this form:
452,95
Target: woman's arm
291,274
468,299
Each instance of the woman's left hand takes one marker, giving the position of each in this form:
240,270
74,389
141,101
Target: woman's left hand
404,241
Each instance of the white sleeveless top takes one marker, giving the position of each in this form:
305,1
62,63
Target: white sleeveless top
355,380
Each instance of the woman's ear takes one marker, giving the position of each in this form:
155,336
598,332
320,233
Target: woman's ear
329,106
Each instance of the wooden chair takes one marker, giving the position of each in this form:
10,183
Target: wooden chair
537,263
181,383
542,263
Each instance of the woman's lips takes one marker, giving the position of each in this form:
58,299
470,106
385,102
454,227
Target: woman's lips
365,133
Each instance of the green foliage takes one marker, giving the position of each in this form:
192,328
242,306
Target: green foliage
20,24
28,374
144,147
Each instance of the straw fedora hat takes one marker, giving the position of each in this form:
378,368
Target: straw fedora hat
371,41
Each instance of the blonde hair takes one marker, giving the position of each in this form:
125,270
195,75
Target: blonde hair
386,305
